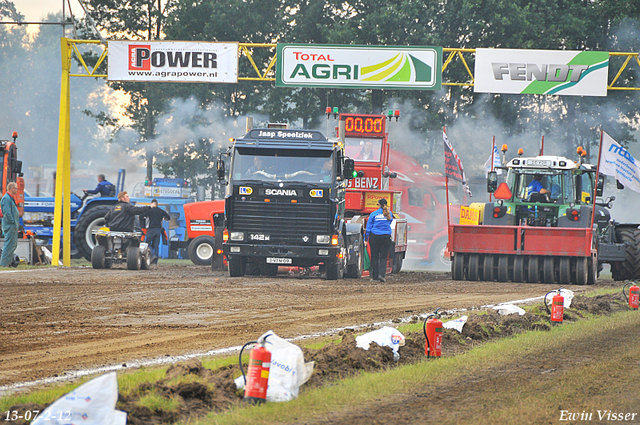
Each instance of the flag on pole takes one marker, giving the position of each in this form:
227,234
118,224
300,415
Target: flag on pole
617,162
496,162
453,165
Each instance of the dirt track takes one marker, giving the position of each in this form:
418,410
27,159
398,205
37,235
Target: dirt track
58,320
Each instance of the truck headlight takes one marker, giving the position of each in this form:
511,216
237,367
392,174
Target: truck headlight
235,249
236,236
323,252
323,239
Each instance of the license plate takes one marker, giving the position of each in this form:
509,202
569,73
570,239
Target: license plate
271,260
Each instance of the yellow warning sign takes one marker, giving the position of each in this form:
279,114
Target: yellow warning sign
469,215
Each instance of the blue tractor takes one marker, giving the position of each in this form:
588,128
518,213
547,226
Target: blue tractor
87,215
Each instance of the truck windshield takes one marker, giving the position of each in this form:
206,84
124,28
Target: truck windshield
270,165
363,149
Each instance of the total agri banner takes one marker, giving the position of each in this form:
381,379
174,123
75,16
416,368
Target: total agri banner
173,61
345,66
559,72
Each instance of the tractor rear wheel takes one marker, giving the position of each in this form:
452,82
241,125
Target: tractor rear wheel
631,265
92,219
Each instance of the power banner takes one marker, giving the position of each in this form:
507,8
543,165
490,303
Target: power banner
616,161
558,72
373,67
173,61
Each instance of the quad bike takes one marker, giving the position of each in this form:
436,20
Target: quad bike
120,247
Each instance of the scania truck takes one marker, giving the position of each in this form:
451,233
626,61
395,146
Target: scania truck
285,204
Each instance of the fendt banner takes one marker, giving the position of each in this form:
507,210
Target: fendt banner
173,61
558,72
343,66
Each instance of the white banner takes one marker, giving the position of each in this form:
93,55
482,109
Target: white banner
560,72
616,161
346,66
173,61
496,162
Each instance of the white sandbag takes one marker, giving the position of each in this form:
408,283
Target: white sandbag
506,309
92,403
384,337
566,293
287,372
456,324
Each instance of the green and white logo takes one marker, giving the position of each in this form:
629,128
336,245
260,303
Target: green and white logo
559,72
388,67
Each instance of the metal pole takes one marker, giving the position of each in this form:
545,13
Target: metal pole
62,189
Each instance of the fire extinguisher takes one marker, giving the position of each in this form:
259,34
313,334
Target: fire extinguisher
256,380
557,306
634,295
432,328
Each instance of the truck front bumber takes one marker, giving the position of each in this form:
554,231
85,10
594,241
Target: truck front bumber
520,240
283,251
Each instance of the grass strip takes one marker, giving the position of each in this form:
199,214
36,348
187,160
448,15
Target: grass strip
531,378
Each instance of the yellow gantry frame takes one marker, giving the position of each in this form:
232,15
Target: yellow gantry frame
69,48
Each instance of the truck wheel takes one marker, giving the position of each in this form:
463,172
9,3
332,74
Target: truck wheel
201,250
436,255
252,269
397,262
134,259
631,265
98,260
236,266
90,220
355,270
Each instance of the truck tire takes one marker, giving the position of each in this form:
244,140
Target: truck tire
335,270
354,271
134,259
236,266
631,265
397,263
98,260
202,250
436,255
90,220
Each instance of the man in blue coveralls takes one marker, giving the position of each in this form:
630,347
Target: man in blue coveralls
10,224
104,187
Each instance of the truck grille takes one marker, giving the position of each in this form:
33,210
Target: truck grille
284,222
